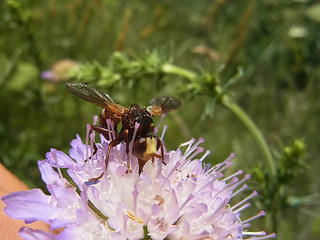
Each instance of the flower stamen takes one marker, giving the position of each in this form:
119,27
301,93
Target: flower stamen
156,129
205,155
87,142
165,127
243,187
110,128
253,194
134,218
233,175
272,235
260,214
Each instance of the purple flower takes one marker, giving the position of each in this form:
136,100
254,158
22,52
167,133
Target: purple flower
181,198
60,70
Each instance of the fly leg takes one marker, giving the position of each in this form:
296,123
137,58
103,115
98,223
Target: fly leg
112,144
104,131
107,134
161,149
95,149
159,145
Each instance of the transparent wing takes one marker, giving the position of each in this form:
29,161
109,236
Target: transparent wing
94,96
163,104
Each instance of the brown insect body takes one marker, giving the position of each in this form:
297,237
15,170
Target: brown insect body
145,144
128,119
141,116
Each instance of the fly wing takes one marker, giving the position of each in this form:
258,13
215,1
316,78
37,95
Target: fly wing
95,96
163,104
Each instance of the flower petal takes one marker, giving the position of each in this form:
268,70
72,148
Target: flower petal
30,206
78,149
48,175
31,234
59,158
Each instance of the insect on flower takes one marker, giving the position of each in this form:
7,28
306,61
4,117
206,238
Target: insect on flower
145,142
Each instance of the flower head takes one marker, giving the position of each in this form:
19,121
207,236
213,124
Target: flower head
180,198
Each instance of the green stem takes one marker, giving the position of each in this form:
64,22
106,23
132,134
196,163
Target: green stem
253,129
236,110
172,69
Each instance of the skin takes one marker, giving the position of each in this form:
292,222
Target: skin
9,227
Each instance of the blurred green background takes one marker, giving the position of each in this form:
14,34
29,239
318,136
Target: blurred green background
263,56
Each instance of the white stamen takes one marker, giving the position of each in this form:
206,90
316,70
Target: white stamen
192,148
108,122
135,197
272,235
189,143
261,233
113,130
260,214
223,167
136,127
205,155
165,127
95,119
175,168
245,178
233,175
87,141
188,160
198,150
242,208
244,186
253,194
92,138
156,129
216,167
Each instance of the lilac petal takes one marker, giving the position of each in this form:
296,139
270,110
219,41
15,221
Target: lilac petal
156,210
196,167
78,149
48,75
31,234
82,232
115,223
48,175
86,227
34,205
206,167
67,197
29,205
80,177
57,157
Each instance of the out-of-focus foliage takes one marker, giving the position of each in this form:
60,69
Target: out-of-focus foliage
256,59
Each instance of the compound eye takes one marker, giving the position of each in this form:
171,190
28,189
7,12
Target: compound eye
139,146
